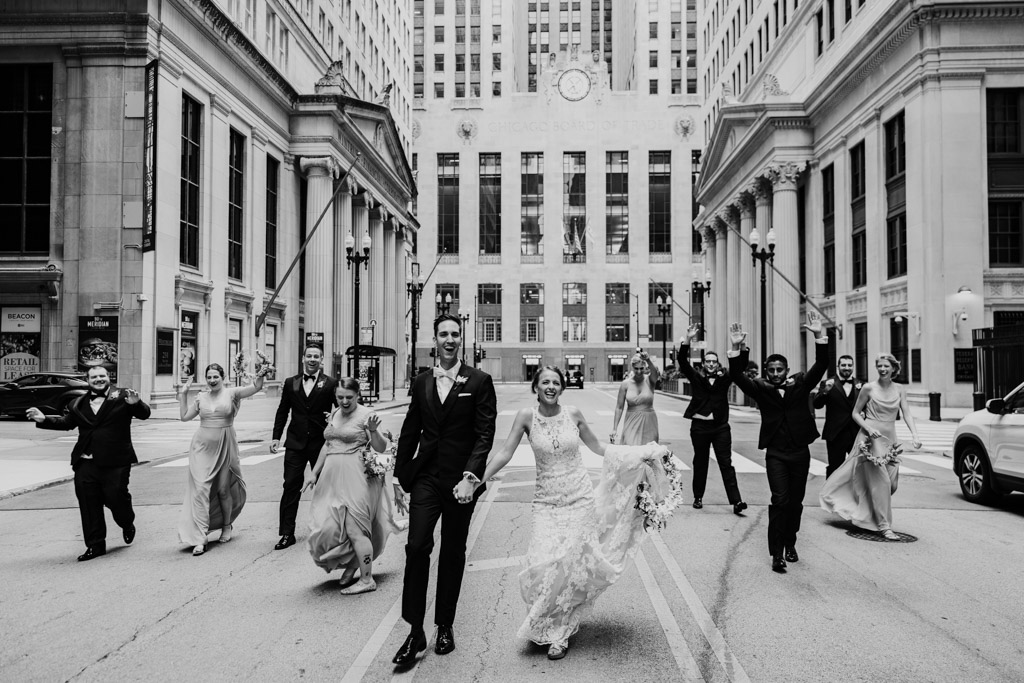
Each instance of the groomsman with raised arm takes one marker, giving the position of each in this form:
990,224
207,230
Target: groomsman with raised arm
787,429
837,395
708,413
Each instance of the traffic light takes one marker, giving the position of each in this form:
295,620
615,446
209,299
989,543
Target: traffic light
483,354
476,356
672,356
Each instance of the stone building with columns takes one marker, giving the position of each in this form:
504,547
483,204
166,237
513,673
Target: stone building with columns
879,143
171,158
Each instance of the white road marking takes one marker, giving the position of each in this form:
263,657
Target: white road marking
936,460
257,459
180,462
673,634
506,413
518,483
670,413
17,474
733,668
818,468
742,464
496,563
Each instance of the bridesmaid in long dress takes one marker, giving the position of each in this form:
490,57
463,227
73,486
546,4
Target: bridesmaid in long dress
215,492
350,515
639,425
859,490
582,539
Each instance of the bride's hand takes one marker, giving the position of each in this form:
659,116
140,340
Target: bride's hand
875,434
309,482
400,503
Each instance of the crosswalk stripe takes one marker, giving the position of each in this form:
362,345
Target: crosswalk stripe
670,413
180,462
936,460
818,468
742,464
506,413
257,459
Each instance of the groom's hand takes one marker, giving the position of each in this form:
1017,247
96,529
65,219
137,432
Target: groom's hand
464,491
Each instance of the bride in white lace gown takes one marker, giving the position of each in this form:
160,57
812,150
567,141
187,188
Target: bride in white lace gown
582,539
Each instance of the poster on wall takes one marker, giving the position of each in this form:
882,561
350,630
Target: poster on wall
97,343
19,341
187,354
164,352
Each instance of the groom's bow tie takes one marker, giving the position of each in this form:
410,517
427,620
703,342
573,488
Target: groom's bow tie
846,381
97,394
309,378
441,372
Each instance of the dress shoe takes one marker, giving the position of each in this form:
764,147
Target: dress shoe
697,505
286,540
129,534
558,650
779,564
445,642
791,555
91,553
738,508
413,645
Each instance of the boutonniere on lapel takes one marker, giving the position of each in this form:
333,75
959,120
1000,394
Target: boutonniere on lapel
461,379
858,385
320,384
789,383
114,395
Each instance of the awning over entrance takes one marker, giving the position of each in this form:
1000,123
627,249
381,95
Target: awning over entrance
367,350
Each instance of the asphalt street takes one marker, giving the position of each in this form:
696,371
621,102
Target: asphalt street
700,603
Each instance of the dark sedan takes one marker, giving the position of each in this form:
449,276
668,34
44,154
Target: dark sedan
49,391
574,379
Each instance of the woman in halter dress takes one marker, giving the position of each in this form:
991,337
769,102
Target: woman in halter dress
861,491
635,421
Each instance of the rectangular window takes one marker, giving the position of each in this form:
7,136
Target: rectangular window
819,30
653,32
531,177
828,213
895,147
448,203
438,90
1003,120
531,329
531,294
659,202
490,203
652,59
574,207
496,33
496,89
1005,232
616,211
439,63
899,347
496,62
488,294
896,238
574,328
490,328
574,293
26,114
653,86
831,5
270,347
860,347
858,185
270,262
896,196
236,194
616,311
191,160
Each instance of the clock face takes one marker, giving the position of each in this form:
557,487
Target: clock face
574,85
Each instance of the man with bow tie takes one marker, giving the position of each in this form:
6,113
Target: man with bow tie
103,456
787,429
442,454
838,395
309,397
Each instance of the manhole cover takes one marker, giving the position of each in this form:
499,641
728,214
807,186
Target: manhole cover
877,537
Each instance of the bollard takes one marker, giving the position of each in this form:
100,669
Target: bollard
933,406
979,400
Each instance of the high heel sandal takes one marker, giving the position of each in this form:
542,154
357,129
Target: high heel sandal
198,550
890,535
558,650
225,534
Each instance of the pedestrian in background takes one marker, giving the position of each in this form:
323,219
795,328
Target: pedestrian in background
103,456
635,421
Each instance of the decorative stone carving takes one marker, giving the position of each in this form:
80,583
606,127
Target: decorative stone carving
467,130
596,56
330,166
684,126
727,219
416,129
784,174
759,190
743,203
770,87
333,80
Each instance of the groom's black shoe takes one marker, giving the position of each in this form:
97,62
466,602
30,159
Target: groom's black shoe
698,503
778,564
445,640
413,645
286,541
92,553
791,555
738,508
129,534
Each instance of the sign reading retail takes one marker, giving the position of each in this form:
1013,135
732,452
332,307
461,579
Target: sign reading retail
314,339
97,343
19,341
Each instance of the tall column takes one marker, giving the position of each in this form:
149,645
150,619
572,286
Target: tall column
361,226
402,321
711,331
747,285
391,316
763,222
342,275
375,276
320,173
786,299
733,286
720,287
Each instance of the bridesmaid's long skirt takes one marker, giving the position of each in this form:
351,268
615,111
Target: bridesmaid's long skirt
212,449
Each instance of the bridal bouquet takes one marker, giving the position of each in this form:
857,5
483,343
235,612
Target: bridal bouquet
890,456
240,365
263,365
657,500
379,464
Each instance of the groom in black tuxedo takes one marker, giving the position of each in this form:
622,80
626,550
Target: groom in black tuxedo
103,456
837,396
451,424
308,396
787,429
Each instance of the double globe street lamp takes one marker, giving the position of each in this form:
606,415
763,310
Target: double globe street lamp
664,308
415,289
352,256
699,290
464,317
765,256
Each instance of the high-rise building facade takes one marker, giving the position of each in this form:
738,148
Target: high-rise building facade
554,151
879,143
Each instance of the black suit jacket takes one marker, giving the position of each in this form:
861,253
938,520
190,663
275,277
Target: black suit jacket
308,422
107,435
838,410
456,436
708,399
793,409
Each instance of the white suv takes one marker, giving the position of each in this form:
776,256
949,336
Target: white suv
988,449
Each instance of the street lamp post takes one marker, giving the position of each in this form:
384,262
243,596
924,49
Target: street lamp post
415,289
765,256
443,303
664,308
352,256
700,289
464,317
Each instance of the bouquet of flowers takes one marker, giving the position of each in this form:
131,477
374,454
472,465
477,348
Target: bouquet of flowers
653,501
263,365
240,365
379,464
891,455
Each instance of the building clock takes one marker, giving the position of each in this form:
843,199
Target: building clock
574,84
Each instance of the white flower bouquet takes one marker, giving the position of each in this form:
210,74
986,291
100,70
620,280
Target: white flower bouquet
661,493
379,464
890,456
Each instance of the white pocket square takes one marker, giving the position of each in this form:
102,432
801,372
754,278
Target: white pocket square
461,395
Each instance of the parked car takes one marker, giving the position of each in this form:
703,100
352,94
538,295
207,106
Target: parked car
49,391
988,449
574,379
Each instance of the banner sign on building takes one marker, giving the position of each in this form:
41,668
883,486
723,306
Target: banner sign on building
165,352
97,343
149,161
188,353
314,339
20,341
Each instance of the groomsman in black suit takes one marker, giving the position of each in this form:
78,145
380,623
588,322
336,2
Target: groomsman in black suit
309,397
442,454
787,429
837,396
103,456
708,413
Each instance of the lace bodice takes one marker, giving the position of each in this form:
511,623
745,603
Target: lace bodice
350,435
217,410
561,477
